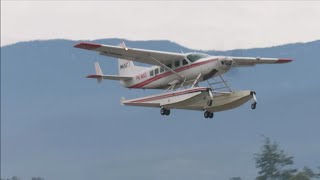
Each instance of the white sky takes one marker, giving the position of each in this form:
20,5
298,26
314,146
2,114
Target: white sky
199,25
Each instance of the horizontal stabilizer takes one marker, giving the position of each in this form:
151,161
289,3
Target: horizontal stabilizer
100,76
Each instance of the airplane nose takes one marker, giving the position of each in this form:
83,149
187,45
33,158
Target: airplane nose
226,63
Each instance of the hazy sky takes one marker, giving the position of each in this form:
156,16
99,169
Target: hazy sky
198,25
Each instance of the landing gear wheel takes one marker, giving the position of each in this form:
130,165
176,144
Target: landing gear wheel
253,105
162,111
167,112
209,102
211,115
208,114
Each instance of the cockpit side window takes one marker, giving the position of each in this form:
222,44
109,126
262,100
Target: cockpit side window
161,69
176,64
185,62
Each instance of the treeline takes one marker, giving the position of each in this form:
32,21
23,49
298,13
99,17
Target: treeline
16,178
274,164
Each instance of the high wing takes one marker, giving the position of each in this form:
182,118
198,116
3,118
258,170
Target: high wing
137,55
251,61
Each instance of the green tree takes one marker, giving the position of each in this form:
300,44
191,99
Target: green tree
12,178
273,163
15,178
37,178
305,174
310,173
300,176
235,178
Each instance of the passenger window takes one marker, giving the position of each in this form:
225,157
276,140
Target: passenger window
156,71
169,66
185,62
177,64
151,73
161,69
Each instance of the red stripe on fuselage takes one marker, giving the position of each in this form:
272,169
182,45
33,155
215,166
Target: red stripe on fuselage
168,95
157,77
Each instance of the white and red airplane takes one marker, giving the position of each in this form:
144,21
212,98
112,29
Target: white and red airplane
169,69
175,71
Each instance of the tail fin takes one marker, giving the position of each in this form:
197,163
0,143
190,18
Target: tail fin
99,74
98,69
126,67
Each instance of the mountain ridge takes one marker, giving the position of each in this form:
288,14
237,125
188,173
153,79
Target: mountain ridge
118,40
52,117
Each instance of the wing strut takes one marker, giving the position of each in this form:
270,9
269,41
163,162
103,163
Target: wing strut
195,83
224,82
218,82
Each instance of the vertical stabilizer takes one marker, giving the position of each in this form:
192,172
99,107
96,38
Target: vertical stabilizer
98,69
126,67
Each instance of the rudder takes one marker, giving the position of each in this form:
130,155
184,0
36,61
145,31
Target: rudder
127,68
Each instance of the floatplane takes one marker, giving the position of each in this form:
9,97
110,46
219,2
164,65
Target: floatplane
179,74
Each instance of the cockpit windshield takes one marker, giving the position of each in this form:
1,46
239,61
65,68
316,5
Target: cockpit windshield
196,56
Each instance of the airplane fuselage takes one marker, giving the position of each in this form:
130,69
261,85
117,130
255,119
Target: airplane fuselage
173,68
157,77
